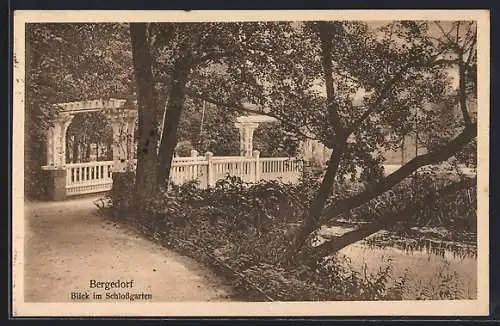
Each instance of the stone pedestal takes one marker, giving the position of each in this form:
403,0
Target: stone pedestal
55,184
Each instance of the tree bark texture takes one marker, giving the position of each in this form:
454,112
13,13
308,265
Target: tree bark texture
145,183
175,104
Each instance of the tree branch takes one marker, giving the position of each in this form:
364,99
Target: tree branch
325,30
447,35
213,56
383,93
462,95
436,156
386,220
444,62
239,107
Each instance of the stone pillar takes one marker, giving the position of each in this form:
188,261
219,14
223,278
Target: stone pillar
210,179
123,125
55,183
131,121
56,141
246,137
256,155
54,172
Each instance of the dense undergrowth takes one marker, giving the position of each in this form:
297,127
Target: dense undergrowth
244,230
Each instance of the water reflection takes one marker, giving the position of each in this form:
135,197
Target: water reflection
421,259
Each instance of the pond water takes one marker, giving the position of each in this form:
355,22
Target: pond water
434,265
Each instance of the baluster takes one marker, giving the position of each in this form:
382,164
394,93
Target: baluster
68,176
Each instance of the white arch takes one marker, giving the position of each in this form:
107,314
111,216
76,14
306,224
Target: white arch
122,121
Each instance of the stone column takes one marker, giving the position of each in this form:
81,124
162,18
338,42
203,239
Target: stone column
256,172
65,122
56,141
54,171
210,172
123,125
131,120
246,137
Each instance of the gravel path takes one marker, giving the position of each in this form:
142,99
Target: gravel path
68,244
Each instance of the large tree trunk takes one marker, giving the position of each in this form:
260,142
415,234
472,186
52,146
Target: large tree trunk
173,113
311,219
145,184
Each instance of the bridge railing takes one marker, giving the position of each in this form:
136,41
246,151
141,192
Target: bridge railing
83,178
208,170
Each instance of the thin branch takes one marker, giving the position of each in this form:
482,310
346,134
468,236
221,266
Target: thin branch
446,34
458,32
213,56
326,60
444,62
383,93
239,107
471,49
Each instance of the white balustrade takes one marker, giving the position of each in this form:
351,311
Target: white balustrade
83,178
286,169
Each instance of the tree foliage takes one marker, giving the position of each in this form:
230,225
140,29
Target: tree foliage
64,63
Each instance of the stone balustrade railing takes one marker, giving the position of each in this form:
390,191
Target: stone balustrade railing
82,178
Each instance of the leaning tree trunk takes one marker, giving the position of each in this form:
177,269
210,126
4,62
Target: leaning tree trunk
173,113
313,215
145,180
386,221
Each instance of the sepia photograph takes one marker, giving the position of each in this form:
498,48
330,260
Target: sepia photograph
250,163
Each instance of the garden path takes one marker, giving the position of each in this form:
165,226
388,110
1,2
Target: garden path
68,244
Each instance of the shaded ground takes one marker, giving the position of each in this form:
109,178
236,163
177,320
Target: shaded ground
68,243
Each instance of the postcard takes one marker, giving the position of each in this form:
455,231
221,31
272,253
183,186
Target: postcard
250,163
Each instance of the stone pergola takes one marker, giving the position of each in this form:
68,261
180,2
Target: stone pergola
247,126
123,124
